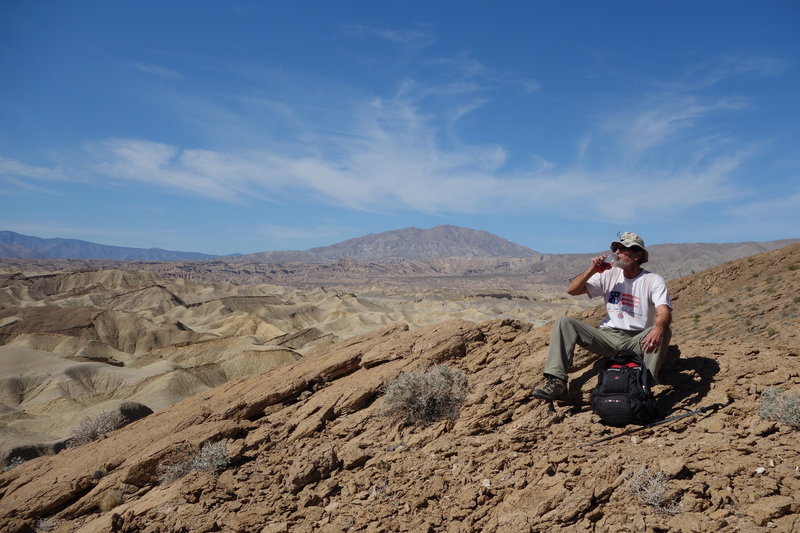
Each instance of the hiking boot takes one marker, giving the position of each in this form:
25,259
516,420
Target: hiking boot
552,389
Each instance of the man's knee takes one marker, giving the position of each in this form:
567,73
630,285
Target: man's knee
565,322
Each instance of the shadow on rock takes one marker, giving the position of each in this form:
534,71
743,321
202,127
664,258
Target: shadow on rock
688,381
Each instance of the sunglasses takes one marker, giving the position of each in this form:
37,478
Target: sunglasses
621,248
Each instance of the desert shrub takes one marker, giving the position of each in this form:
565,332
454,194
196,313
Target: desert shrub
213,457
110,500
650,486
13,463
91,428
780,406
425,397
46,524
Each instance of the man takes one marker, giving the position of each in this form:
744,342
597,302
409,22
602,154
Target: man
639,314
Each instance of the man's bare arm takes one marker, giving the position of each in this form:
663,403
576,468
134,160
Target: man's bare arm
652,340
578,284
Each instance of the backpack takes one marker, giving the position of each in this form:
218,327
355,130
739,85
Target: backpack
623,394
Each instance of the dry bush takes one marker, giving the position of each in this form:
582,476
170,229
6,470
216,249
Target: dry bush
13,463
780,406
91,428
651,488
213,457
110,500
425,397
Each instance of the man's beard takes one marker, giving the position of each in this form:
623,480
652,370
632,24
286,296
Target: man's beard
622,262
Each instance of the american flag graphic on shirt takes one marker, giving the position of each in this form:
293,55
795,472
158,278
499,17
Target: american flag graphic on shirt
628,302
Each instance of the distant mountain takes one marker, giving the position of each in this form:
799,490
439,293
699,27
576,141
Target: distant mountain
14,245
409,243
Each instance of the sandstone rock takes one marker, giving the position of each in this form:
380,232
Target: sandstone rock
769,508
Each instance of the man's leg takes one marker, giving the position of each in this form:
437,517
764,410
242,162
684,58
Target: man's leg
567,332
652,360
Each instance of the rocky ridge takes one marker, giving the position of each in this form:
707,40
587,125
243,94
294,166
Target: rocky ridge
310,450
518,275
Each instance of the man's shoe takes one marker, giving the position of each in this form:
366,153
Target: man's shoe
552,389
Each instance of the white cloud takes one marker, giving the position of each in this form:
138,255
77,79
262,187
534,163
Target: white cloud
156,70
12,168
642,129
412,40
663,154
390,156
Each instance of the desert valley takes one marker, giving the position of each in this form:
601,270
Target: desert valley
282,360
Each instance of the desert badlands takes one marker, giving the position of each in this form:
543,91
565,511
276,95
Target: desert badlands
286,382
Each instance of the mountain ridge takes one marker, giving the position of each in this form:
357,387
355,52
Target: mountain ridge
408,243
441,242
16,245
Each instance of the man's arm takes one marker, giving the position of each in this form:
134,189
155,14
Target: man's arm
652,341
577,286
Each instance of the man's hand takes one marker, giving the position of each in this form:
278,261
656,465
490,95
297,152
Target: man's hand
652,341
578,284
597,261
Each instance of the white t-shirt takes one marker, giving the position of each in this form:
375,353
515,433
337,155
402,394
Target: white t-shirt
631,303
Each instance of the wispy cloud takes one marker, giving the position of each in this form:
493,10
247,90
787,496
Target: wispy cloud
658,123
412,39
12,168
383,154
721,69
156,70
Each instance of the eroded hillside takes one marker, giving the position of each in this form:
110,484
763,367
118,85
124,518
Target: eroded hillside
74,345
310,450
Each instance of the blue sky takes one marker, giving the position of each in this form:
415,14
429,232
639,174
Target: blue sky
226,127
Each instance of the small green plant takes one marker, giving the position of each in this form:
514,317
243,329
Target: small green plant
771,332
794,267
91,428
425,397
213,457
651,488
13,463
781,406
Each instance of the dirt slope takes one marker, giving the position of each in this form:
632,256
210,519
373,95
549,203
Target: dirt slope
310,451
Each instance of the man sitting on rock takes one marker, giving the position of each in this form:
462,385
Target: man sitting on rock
639,314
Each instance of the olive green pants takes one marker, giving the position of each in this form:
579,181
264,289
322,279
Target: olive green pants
568,332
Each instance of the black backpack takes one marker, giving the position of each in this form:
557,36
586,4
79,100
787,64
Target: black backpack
623,394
